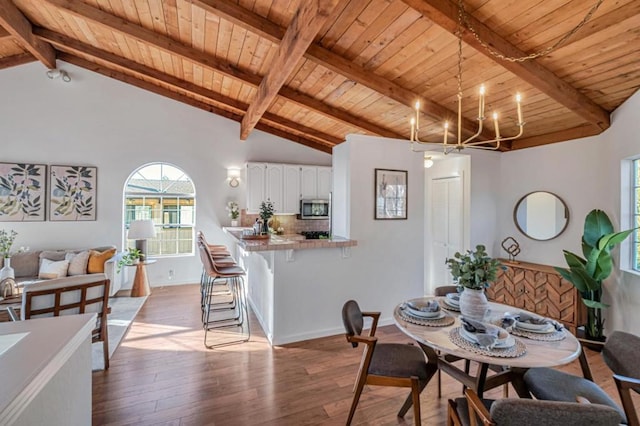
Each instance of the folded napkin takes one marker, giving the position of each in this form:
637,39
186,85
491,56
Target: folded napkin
485,334
428,306
509,320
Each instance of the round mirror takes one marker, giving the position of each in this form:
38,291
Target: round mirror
541,215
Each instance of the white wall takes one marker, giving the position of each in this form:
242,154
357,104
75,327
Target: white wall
102,122
586,174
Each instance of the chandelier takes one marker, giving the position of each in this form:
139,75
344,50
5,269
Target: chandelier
473,141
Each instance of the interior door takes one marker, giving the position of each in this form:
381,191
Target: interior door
446,226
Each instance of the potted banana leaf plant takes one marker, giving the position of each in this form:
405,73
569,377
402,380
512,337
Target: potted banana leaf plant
587,273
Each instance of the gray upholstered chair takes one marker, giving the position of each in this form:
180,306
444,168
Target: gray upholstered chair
471,411
385,364
620,353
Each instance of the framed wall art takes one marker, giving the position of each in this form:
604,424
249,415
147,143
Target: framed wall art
22,192
390,194
72,193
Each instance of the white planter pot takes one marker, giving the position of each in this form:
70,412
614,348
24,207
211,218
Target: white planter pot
234,223
473,304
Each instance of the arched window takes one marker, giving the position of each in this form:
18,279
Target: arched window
165,194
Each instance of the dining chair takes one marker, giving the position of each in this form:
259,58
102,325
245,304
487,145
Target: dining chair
385,364
620,353
68,296
472,411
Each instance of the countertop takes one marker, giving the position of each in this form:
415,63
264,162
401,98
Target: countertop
287,242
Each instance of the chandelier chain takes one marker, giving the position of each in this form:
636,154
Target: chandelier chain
464,17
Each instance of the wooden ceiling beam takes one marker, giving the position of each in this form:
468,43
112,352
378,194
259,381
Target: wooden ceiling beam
445,14
4,34
76,47
15,60
581,131
266,29
148,86
16,24
307,21
207,61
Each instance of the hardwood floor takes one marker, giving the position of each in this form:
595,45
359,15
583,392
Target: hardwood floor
163,375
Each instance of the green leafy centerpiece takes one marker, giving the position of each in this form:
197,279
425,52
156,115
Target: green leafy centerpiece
266,212
587,273
474,271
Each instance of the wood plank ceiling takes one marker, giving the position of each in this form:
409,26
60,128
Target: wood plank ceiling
313,71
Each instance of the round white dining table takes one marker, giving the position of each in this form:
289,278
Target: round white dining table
436,343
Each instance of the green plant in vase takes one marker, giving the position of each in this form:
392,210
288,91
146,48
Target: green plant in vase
587,273
266,212
475,271
131,257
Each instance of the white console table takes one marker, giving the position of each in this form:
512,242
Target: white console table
45,371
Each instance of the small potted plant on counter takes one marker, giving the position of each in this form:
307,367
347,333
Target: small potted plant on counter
266,211
234,212
131,257
474,271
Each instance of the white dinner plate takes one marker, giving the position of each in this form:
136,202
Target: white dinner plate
426,315
453,299
505,343
535,328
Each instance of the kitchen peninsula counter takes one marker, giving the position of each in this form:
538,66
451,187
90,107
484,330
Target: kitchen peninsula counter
288,242
289,277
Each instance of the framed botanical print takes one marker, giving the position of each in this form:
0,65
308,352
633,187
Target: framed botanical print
390,194
22,192
72,193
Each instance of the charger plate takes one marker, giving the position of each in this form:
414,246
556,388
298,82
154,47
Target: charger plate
514,351
544,337
554,336
444,321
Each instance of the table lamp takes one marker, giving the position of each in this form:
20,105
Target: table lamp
141,230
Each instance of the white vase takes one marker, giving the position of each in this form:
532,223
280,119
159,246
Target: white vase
7,271
473,304
234,223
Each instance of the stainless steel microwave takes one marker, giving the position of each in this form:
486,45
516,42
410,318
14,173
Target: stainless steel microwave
314,209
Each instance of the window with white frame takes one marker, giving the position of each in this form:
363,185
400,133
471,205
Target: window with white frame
635,211
165,194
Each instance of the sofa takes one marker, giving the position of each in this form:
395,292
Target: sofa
32,265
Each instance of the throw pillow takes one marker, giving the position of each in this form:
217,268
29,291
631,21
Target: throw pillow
50,269
77,262
97,259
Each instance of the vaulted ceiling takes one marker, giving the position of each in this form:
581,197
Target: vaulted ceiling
313,71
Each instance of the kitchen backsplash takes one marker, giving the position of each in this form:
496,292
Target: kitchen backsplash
290,223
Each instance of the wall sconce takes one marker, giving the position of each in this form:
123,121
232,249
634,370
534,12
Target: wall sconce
428,162
56,73
233,176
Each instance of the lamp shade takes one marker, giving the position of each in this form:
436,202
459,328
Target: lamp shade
141,230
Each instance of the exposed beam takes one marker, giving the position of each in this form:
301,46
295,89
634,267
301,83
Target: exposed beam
125,78
266,29
190,54
76,47
307,21
19,27
581,131
445,14
15,60
4,34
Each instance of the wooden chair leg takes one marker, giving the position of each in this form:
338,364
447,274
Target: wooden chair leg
409,401
415,392
356,397
105,351
439,383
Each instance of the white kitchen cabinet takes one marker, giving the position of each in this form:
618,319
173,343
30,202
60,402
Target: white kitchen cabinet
285,185
291,196
274,186
256,186
324,182
315,182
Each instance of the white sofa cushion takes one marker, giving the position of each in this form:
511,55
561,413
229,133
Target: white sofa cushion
51,269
